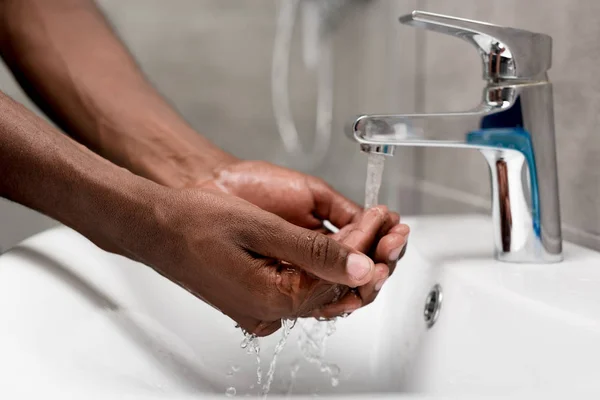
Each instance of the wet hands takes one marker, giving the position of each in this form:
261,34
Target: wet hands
374,233
298,198
258,268
306,201
377,234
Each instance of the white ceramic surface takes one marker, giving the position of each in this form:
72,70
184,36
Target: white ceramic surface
76,322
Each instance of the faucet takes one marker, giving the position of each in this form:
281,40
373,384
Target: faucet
513,127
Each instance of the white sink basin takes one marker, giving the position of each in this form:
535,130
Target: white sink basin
80,323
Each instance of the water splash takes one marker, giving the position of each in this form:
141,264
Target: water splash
375,164
231,391
312,342
232,370
252,346
293,374
287,325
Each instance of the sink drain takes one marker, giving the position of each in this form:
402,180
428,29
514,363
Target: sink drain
433,304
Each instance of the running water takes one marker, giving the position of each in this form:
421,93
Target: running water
287,325
252,346
375,164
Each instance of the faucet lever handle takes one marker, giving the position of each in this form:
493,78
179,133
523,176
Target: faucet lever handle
507,53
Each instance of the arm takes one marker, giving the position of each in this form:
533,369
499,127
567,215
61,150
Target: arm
46,171
68,60
219,247
71,64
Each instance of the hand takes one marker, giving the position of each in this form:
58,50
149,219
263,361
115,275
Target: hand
252,265
306,201
362,236
301,199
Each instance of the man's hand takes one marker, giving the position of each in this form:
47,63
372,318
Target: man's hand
298,198
252,265
306,201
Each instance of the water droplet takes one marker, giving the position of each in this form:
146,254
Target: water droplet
235,368
334,369
230,392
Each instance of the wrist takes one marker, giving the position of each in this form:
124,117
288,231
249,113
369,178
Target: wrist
187,167
178,158
113,207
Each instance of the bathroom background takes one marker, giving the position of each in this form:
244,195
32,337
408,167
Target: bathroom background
212,60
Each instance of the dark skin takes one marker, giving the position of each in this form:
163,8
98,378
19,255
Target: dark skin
244,236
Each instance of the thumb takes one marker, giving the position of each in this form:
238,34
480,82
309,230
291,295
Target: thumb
317,254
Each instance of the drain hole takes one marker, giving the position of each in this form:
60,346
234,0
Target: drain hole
433,304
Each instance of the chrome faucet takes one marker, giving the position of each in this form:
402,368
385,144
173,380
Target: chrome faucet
513,127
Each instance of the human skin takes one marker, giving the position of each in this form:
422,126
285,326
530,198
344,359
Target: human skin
196,214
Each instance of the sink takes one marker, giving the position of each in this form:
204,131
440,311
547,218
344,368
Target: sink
81,323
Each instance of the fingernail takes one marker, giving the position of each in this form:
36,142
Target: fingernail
379,284
395,254
358,266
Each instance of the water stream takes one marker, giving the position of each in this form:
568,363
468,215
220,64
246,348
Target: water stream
375,164
287,325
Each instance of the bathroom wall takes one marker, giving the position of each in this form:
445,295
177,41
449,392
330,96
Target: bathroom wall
212,60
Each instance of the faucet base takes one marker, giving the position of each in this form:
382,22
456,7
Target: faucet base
519,234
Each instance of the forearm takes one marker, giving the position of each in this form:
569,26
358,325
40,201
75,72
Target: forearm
45,170
69,61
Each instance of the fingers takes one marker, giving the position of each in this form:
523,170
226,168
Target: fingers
256,327
267,328
369,292
395,217
402,229
389,248
362,235
351,302
392,220
331,205
311,251
347,305
375,224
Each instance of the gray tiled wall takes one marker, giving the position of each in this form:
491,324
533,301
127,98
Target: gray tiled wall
212,60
